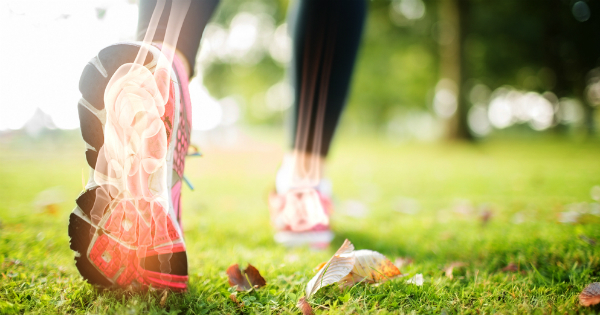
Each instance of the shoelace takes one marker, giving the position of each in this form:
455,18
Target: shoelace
193,151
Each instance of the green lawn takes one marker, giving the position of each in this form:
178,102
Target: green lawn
418,201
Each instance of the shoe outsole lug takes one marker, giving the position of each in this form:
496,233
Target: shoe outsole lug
178,262
86,200
91,157
126,53
91,128
89,83
81,234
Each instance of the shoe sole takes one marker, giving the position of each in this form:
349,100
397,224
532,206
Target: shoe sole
107,256
315,239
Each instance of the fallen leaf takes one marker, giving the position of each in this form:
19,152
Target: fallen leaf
163,299
511,267
236,278
448,270
485,216
370,267
334,270
254,276
349,267
417,280
590,295
320,266
304,307
233,297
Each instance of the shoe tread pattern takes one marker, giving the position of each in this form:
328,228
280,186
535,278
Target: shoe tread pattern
92,85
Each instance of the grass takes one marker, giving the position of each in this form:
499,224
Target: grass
421,201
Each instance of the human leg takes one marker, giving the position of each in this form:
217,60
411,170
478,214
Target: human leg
135,119
198,15
326,37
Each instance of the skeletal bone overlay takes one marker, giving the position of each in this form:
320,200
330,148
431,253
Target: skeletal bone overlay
131,169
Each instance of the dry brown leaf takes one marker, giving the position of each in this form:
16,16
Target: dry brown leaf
448,270
163,299
233,298
590,295
349,267
254,276
304,307
237,278
511,267
370,267
485,216
336,268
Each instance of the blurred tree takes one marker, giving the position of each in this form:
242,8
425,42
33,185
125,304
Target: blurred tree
536,45
409,45
452,31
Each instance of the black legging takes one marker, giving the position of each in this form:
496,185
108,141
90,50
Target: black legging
326,36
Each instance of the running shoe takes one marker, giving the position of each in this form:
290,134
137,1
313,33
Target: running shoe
126,228
301,216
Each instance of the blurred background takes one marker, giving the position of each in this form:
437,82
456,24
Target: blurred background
428,70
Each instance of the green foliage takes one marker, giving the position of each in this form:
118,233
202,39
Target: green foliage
531,45
226,221
397,66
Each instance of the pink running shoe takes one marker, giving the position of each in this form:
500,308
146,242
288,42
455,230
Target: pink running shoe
301,217
129,235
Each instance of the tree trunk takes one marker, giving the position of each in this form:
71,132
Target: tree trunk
451,42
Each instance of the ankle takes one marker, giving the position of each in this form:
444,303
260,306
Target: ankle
301,170
183,59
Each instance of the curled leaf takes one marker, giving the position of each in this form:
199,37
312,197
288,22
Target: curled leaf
320,266
370,267
245,281
334,270
349,267
233,298
304,307
590,295
254,276
237,278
